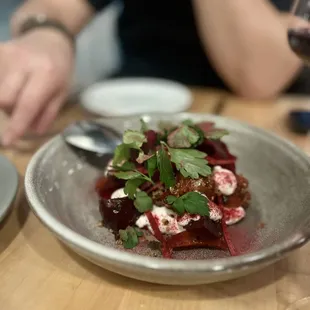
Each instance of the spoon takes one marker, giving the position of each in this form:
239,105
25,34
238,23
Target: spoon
93,137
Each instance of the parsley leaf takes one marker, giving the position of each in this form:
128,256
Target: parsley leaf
191,163
179,206
183,137
188,122
129,237
131,187
171,199
138,232
165,168
216,134
143,202
126,166
201,135
134,138
151,165
143,157
195,203
191,202
128,175
121,154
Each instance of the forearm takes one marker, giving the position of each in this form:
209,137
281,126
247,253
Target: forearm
247,43
74,14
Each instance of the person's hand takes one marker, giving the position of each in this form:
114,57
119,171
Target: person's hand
35,78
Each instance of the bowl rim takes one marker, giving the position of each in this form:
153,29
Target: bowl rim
220,265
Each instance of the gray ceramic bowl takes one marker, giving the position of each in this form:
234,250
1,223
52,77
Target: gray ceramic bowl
60,189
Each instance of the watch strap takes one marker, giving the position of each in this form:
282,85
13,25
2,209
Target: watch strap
41,21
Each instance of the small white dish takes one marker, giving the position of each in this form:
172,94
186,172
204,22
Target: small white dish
8,185
132,96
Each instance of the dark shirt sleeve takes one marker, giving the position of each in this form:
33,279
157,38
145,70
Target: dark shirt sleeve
282,5
98,5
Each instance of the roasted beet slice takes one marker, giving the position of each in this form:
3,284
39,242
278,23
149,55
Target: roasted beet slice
218,150
151,137
105,186
198,238
118,213
214,228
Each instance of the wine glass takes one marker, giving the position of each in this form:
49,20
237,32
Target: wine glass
299,41
299,30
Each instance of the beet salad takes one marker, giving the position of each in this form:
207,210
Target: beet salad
178,184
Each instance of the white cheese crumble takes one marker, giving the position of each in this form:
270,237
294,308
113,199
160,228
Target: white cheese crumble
225,180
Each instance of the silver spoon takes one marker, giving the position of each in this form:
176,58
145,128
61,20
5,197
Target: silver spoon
92,136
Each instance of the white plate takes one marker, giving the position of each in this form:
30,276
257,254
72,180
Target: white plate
130,96
8,185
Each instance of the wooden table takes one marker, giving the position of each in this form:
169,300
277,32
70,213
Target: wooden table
38,273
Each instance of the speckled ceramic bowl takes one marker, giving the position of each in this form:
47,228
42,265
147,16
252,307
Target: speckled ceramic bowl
59,184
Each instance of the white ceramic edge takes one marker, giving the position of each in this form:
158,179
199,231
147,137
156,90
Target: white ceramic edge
85,97
13,191
222,265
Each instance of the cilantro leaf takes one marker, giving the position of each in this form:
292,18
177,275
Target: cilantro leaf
121,154
131,187
183,137
151,165
165,168
143,202
216,134
191,163
129,237
134,138
191,202
144,127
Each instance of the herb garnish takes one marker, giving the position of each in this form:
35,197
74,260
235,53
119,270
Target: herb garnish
134,180
183,137
151,165
134,139
190,162
130,237
165,168
191,202
131,187
216,134
143,202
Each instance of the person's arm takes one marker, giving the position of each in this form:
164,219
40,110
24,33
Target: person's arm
74,14
247,43
37,65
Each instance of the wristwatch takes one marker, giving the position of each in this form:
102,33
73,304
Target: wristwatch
41,21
